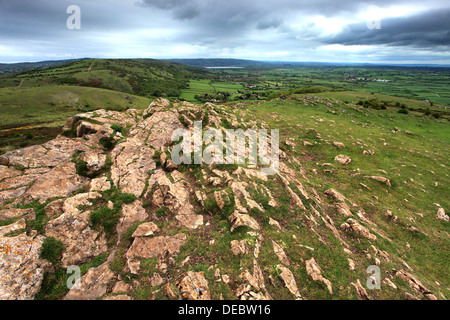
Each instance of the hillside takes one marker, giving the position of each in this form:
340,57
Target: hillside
6,68
356,188
143,77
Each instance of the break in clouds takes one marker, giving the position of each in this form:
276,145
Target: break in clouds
290,30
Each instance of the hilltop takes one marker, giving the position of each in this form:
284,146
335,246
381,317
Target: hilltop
356,188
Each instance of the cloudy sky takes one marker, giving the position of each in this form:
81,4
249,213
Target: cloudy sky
412,31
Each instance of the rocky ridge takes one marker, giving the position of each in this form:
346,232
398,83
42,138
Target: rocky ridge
109,193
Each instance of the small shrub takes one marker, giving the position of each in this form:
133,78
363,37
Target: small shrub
52,250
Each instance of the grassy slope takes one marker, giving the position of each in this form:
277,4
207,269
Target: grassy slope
416,165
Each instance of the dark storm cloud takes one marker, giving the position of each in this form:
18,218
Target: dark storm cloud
427,29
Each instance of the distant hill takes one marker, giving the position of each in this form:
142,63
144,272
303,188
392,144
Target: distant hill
7,68
143,77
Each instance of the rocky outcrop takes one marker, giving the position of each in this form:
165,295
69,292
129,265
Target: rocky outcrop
193,286
354,226
73,229
21,270
93,284
313,269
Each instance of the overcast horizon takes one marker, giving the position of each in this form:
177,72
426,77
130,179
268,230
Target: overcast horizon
409,32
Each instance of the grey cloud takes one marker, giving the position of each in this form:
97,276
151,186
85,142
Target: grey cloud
427,29
273,23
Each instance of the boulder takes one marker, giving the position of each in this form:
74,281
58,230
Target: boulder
21,270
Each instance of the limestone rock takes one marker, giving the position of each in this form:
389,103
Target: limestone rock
8,214
62,181
132,162
73,229
21,270
193,286
239,247
313,269
380,179
343,209
289,281
361,293
100,184
131,213
442,216
156,247
281,254
93,284
146,230
342,159
335,195
238,220
353,226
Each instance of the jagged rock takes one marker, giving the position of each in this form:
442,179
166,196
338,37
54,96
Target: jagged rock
409,296
156,247
369,152
73,229
193,286
343,209
93,284
361,293
380,179
390,215
132,161
8,172
100,184
238,220
8,214
221,197
94,160
61,182
338,144
415,284
289,281
121,287
159,125
390,283
281,254
50,154
131,213
342,159
313,269
442,216
176,196
274,223
21,270
240,193
335,195
353,226
351,265
146,230
18,225
254,287
20,181
239,247
9,195
156,280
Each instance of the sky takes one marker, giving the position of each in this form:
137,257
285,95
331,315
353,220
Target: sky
378,31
